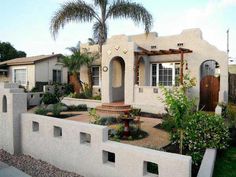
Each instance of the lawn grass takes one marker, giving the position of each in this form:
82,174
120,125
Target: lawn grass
225,165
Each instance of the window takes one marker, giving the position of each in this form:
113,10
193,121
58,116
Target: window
165,74
154,74
95,75
20,76
56,76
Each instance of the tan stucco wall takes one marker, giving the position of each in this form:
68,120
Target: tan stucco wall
84,69
124,47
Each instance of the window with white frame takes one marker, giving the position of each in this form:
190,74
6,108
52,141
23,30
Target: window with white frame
20,76
165,74
56,76
95,75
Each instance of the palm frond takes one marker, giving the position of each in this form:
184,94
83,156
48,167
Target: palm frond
132,10
74,49
92,41
77,11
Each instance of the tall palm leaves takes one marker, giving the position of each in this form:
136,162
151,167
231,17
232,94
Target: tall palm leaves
74,63
99,12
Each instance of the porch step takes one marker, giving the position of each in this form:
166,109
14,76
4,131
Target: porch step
114,108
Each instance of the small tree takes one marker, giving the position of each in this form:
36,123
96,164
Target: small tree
179,105
74,63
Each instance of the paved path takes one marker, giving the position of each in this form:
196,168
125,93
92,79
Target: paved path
9,171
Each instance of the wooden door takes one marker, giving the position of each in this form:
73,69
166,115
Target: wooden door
209,93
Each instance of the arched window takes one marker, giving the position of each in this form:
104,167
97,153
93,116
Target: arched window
4,104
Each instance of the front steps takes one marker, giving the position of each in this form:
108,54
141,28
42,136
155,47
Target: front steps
117,108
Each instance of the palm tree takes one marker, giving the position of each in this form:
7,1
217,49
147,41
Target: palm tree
99,12
75,49
92,41
74,63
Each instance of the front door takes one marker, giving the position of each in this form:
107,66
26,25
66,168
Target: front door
209,93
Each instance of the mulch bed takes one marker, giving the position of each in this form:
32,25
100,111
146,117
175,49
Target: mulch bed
33,167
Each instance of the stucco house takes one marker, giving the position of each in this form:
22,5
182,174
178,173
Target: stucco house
34,71
132,68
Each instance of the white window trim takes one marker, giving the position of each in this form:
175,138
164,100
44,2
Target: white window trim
99,75
26,75
157,73
57,73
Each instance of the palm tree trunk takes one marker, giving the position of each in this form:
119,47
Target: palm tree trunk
76,83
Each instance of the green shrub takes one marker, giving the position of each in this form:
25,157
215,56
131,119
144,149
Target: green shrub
56,110
80,107
135,112
204,131
49,98
68,88
229,113
107,121
97,97
117,132
168,123
35,89
95,118
41,111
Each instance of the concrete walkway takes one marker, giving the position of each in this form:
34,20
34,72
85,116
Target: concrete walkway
9,171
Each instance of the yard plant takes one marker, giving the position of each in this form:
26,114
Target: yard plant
99,12
179,106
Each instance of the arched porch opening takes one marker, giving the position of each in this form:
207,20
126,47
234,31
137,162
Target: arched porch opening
117,80
209,85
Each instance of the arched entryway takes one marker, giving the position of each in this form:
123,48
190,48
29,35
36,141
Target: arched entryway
117,86
209,85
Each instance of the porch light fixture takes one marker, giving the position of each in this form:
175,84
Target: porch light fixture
105,68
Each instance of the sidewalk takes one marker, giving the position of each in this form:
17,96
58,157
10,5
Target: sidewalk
9,171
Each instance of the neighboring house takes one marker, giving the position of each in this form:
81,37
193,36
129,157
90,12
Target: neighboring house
232,69
34,71
133,67
232,61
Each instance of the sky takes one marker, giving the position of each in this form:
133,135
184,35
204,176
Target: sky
25,23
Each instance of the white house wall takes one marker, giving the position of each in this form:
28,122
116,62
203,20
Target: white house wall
30,74
44,70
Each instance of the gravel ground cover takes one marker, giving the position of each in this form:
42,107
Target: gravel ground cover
33,167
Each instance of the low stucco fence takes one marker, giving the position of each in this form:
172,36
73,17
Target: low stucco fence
34,98
75,101
208,163
66,144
